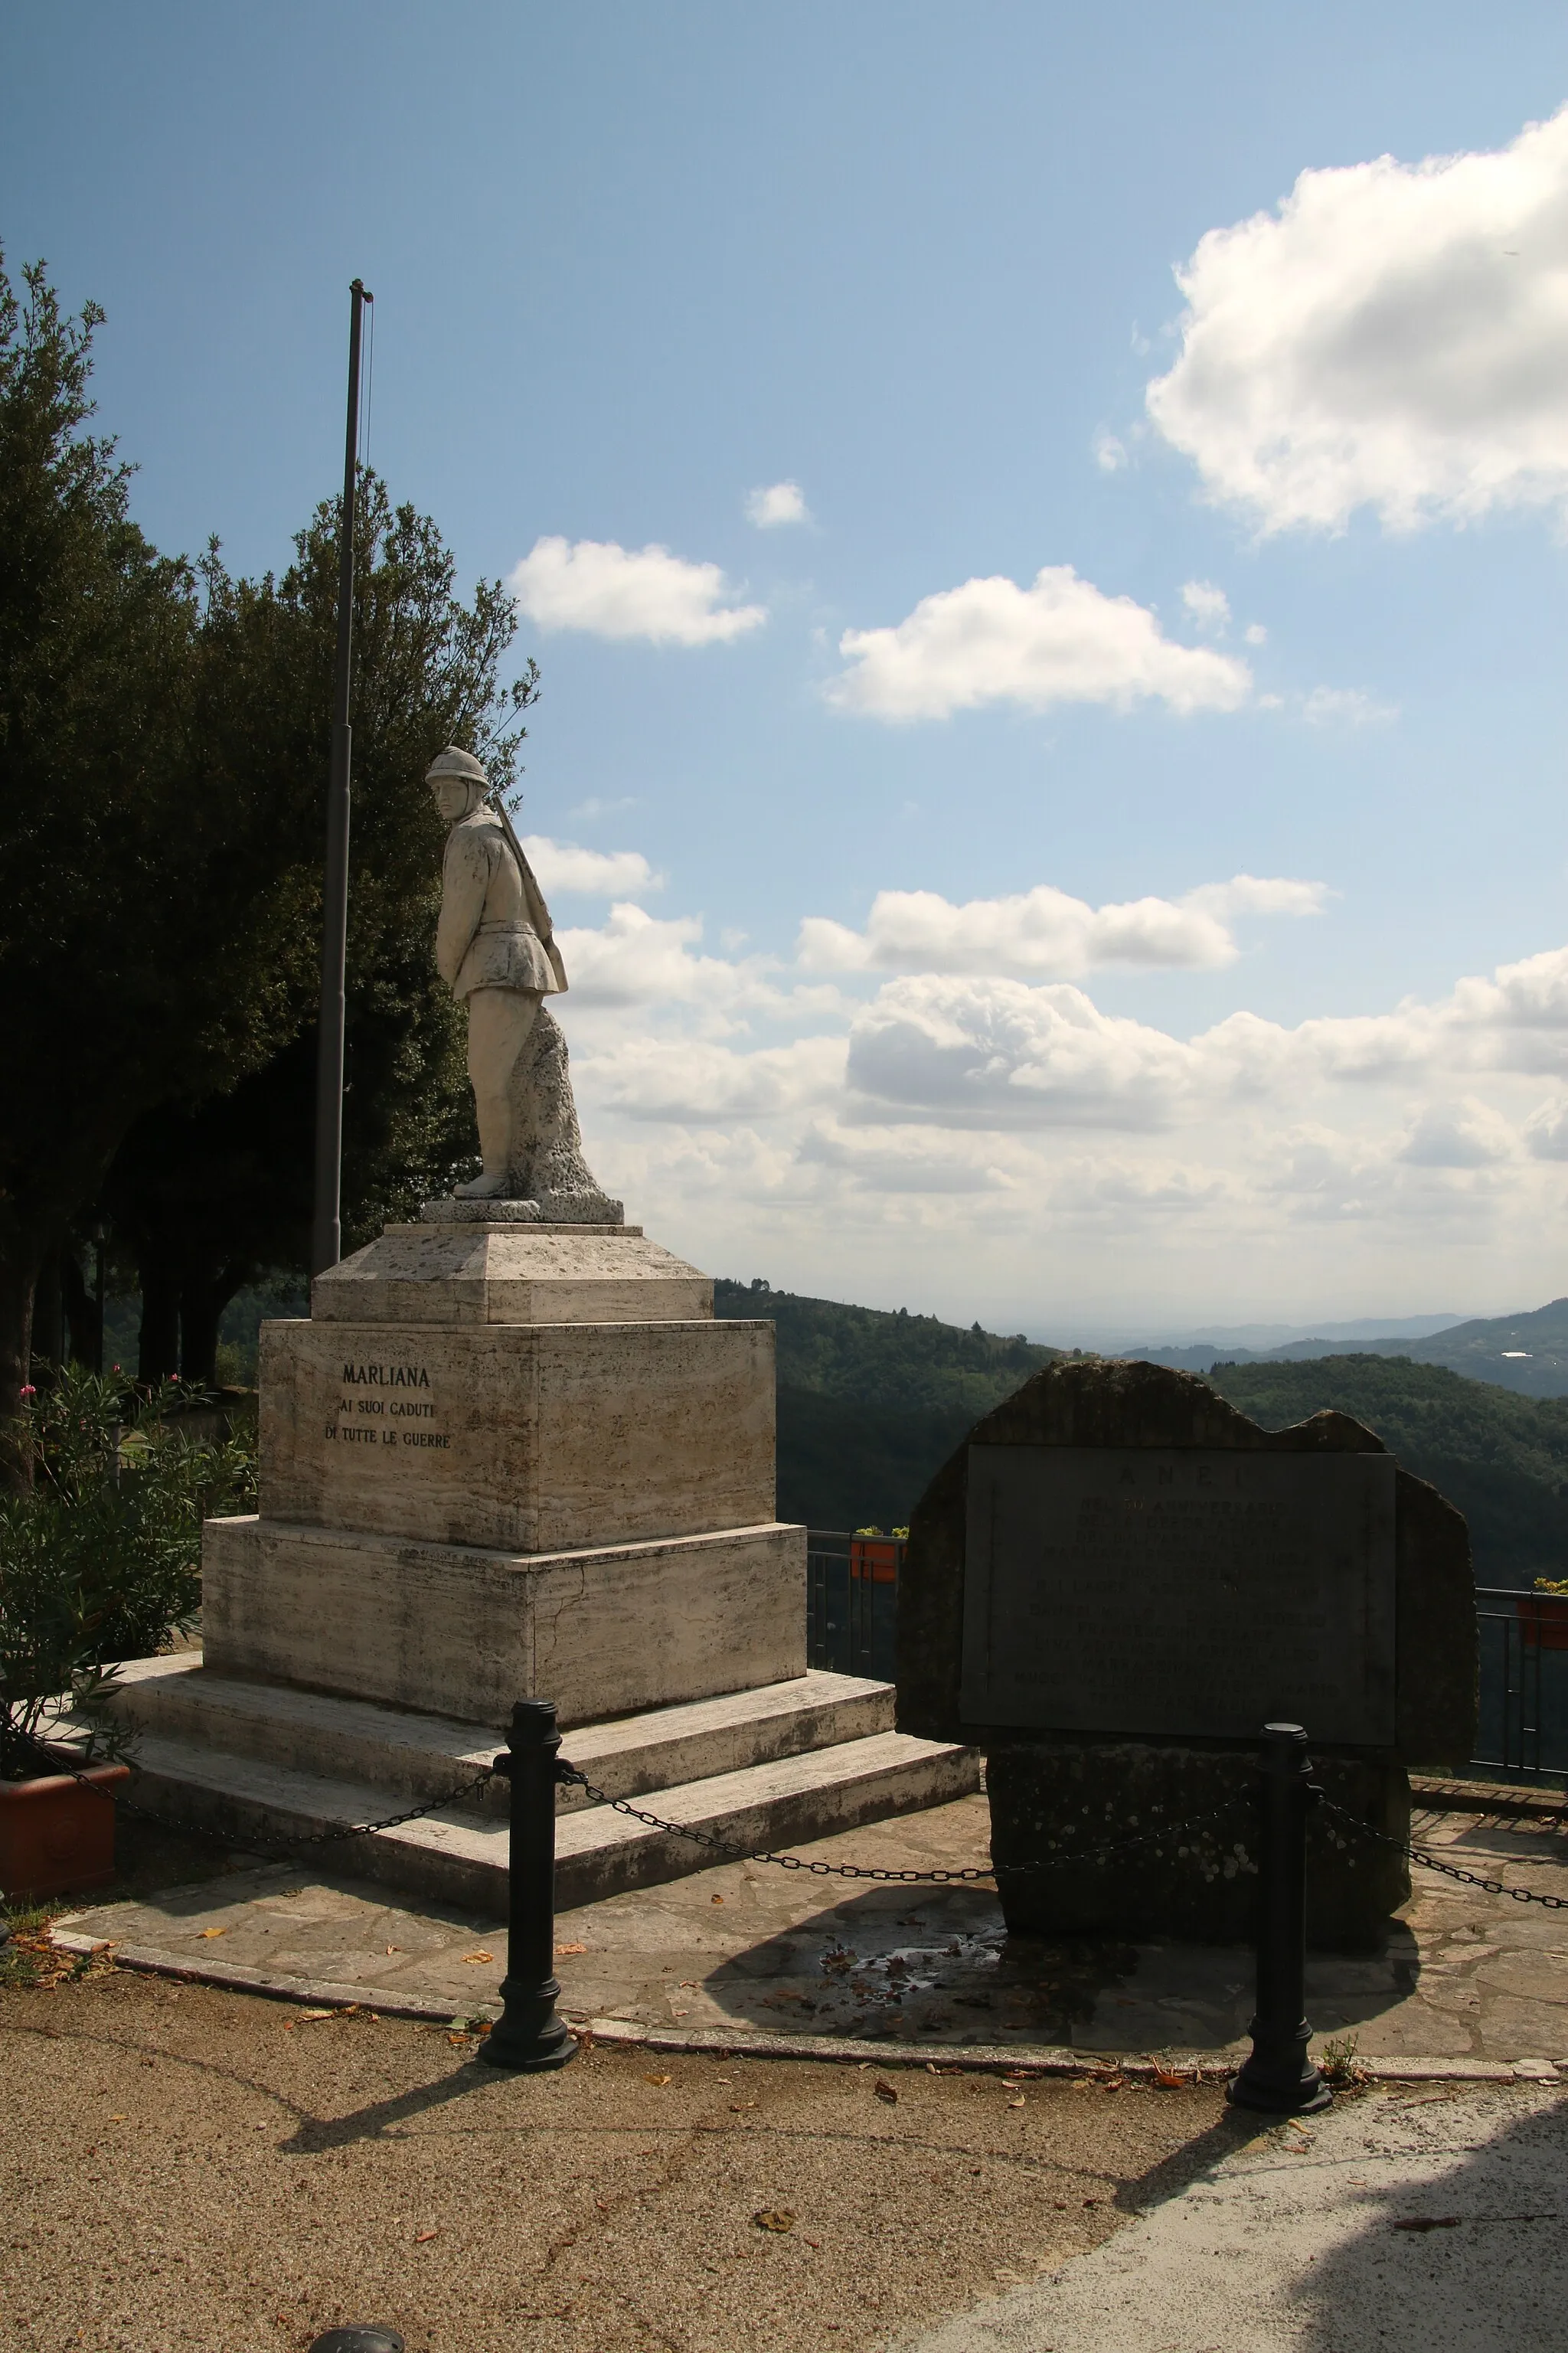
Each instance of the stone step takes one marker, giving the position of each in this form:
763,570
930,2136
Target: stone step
409,1758
460,1857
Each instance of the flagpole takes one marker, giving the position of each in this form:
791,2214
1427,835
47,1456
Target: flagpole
326,1231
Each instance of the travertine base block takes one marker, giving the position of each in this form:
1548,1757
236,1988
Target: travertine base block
532,1437
467,1272
456,1630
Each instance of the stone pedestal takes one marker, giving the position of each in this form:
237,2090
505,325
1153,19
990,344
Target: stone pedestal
507,1461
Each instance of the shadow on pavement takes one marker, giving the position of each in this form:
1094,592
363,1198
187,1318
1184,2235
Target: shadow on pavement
1470,2258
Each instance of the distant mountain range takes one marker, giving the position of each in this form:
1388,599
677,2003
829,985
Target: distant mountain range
1527,1353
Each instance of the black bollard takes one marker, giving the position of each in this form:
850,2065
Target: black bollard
528,2035
1278,2078
359,2340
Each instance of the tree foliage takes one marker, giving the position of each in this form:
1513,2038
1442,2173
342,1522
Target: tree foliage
164,737
210,1192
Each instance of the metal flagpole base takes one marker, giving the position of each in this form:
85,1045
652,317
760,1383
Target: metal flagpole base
528,2037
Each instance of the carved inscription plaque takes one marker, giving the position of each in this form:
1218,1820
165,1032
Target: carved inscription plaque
1188,1592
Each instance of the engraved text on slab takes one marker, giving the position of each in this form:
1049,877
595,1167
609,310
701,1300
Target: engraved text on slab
1187,1592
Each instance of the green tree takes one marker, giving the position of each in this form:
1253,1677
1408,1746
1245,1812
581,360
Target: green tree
210,1192
163,755
97,648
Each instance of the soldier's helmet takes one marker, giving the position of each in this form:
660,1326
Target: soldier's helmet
453,762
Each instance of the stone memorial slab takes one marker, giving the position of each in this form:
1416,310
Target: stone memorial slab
1190,1592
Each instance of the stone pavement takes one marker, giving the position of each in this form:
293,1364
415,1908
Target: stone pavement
1398,2221
747,1949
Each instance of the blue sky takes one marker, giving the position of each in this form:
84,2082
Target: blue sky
633,266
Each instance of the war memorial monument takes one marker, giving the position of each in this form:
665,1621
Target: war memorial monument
511,1453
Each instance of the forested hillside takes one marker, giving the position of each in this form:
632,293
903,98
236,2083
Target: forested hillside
871,1403
1502,1458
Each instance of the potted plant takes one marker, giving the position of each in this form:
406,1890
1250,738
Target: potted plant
99,1561
1543,1615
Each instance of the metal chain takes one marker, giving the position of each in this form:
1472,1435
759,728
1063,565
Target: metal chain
1430,1862
819,1869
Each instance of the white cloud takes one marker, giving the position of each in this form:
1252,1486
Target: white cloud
618,591
1110,454
1062,640
594,807
699,1080
999,1054
781,502
1546,1130
1344,706
1047,930
993,1051
1395,336
997,1143
1209,605
1467,1134
635,958
562,866
1256,634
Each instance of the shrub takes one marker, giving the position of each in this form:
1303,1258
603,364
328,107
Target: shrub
101,1560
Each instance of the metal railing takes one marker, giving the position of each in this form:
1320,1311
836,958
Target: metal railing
852,1601
1524,1729
852,1610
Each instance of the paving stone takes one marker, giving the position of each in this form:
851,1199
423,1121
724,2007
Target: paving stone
745,1947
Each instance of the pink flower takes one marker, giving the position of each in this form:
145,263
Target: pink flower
28,1390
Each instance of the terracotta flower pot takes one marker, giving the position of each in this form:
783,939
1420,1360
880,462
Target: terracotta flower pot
1544,1620
54,1835
875,1560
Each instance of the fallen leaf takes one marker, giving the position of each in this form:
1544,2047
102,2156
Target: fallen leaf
658,2082
214,1932
394,1948
1168,2078
1017,2103
774,2219
458,2039
739,2108
570,1948
715,1899
680,2013
315,2013
422,2238
1428,2222
478,1957
885,2091
116,2120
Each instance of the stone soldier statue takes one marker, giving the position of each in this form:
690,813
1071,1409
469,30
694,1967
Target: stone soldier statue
496,951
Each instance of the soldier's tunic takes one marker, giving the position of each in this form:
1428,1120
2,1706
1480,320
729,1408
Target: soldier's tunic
494,931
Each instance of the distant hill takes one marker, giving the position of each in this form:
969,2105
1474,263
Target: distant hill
1502,1459
870,1403
1527,1353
